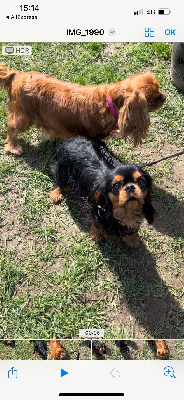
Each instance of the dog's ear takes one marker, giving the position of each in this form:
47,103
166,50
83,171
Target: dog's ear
134,118
98,198
148,209
6,76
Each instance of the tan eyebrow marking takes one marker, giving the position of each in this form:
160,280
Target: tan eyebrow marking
136,174
119,178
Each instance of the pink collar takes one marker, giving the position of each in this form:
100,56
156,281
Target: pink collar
111,107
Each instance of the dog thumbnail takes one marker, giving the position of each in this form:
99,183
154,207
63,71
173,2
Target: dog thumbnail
161,349
119,194
122,345
40,348
56,350
99,349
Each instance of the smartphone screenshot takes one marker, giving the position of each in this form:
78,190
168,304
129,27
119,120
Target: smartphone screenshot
91,200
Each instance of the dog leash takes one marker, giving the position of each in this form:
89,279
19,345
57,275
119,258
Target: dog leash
114,162
162,159
115,133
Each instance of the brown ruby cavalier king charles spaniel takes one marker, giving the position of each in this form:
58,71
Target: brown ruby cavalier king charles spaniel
64,109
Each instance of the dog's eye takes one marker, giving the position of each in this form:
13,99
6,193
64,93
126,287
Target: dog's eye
142,183
153,101
116,186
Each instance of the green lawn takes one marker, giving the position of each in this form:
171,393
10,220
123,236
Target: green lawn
53,278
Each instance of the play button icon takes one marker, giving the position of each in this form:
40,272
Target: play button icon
63,373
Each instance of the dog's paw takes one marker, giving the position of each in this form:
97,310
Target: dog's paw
131,240
96,233
56,196
14,150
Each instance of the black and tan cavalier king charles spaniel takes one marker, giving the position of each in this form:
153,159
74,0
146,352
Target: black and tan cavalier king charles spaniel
119,194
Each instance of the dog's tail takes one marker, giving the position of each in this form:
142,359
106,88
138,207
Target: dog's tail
6,76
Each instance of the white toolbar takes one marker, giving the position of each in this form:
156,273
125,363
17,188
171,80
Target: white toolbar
97,21
140,380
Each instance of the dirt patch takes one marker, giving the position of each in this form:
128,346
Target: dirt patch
110,49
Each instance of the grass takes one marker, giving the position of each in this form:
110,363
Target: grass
53,278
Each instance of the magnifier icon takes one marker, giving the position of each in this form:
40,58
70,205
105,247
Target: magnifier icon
169,371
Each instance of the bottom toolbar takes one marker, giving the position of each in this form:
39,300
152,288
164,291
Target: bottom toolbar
25,380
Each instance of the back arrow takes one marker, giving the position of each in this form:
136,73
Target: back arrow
115,373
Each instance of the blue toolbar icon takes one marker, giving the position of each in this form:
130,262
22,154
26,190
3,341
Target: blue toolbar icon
63,373
149,32
12,373
169,371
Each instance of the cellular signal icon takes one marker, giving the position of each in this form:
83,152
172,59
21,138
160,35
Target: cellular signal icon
139,12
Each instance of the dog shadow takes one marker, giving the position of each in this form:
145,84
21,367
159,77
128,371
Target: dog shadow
145,293
142,290
169,218
126,352
126,355
41,156
132,344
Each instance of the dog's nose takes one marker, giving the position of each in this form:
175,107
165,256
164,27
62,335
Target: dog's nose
130,188
163,98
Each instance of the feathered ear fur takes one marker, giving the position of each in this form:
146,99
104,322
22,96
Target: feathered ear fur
148,209
98,199
134,118
6,75
102,211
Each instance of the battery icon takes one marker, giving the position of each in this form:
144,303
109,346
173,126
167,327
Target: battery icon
164,11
